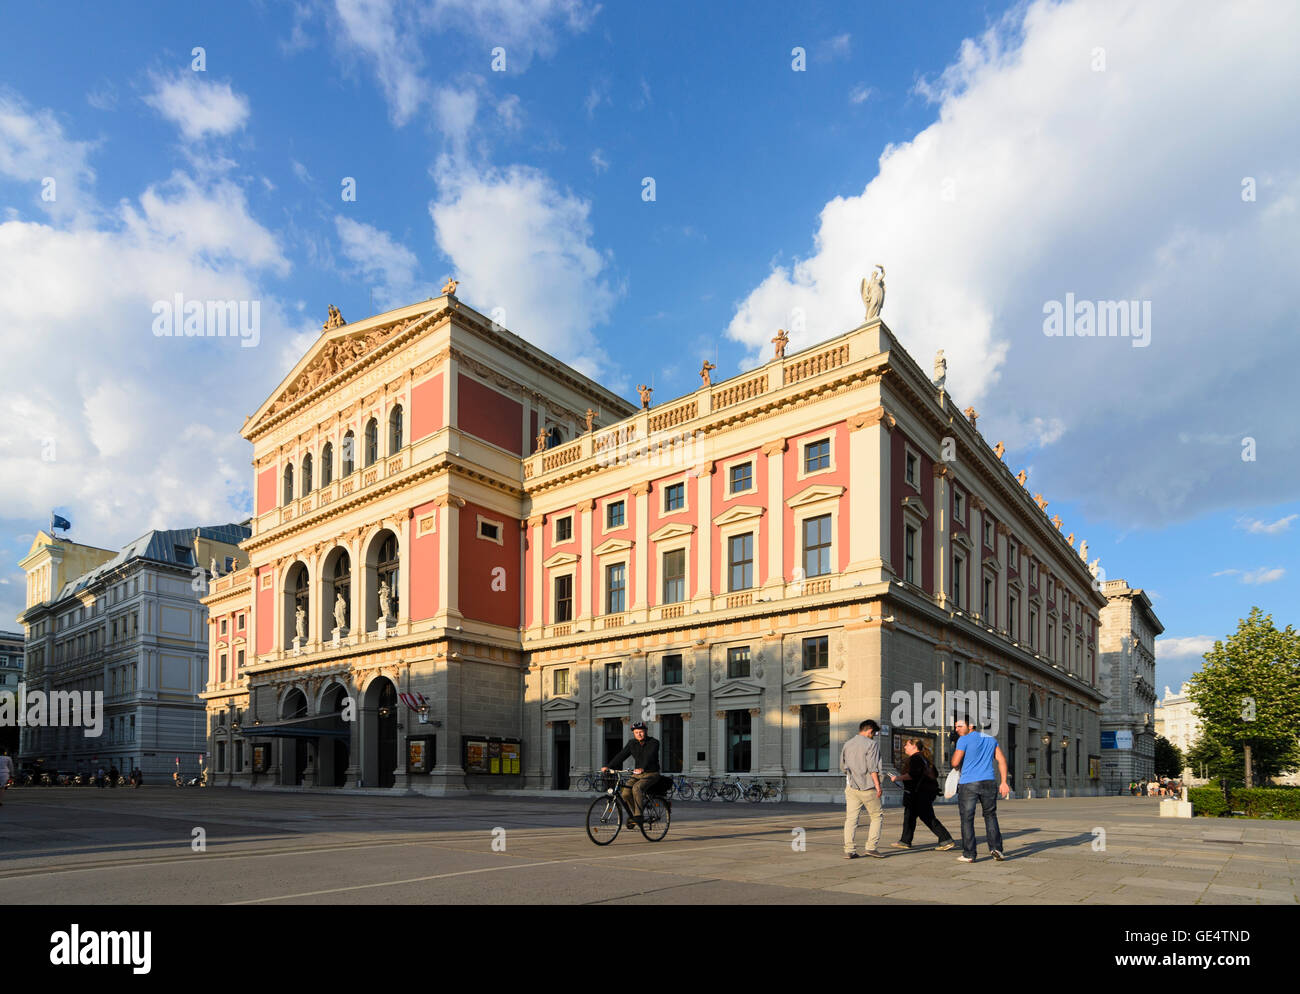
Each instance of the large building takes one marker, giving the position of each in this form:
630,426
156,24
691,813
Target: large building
1176,719
128,625
11,675
1129,627
471,566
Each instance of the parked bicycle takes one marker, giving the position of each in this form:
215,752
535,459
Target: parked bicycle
682,788
728,790
764,790
595,781
607,814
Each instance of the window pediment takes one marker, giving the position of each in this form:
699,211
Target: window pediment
915,506
672,694
963,540
613,698
676,530
815,494
612,545
741,512
560,704
812,681
561,559
737,688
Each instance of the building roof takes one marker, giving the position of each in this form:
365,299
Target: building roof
162,547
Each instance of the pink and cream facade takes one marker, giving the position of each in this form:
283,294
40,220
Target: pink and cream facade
753,568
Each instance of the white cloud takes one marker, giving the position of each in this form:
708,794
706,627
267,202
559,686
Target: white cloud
1188,647
1013,198
860,94
598,94
833,48
455,110
33,148
388,265
519,243
598,161
509,110
300,171
1256,527
1264,574
197,105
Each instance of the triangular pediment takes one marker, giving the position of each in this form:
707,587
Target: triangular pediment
676,530
813,494
673,694
561,559
612,545
962,539
336,351
916,506
741,512
560,704
737,688
612,698
812,681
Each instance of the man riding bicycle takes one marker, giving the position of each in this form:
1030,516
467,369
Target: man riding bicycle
644,751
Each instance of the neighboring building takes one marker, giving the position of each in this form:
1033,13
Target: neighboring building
1177,720
761,564
1127,677
11,675
128,625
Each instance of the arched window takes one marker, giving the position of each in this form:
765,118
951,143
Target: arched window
372,441
388,572
554,437
327,464
341,583
349,454
306,474
288,484
395,429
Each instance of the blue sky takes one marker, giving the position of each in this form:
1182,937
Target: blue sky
987,155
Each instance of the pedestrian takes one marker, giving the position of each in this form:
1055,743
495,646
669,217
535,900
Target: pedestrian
860,764
99,778
920,788
1132,788
136,777
6,773
975,755
113,774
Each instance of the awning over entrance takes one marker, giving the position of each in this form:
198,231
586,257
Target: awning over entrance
321,726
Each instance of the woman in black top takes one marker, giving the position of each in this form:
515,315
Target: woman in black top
920,788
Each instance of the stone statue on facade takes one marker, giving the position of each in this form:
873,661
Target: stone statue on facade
1083,550
1042,504
1095,569
999,449
340,611
940,370
541,441
450,287
705,370
335,319
591,417
385,601
972,416
645,393
300,623
1021,477
212,566
781,340
873,293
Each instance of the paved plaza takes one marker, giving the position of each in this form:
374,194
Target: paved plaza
87,846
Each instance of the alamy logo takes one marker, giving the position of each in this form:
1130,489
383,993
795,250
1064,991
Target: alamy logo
1099,319
181,318
60,709
920,708
77,948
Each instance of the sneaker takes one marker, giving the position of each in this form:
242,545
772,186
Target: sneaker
852,855
899,845
874,853
997,854
965,859
945,846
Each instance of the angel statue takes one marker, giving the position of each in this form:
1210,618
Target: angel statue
385,600
300,623
340,611
873,293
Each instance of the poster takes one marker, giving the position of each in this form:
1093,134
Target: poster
494,756
415,755
259,759
475,756
1094,767
897,754
509,757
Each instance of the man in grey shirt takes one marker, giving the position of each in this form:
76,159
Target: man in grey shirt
860,763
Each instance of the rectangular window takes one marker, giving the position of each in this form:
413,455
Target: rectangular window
564,528
817,545
674,497
614,514
910,571
909,473
489,530
613,676
958,568
670,739
817,455
815,738
223,626
988,533
1033,574
239,756
738,662
1051,639
615,588
959,505
239,660
564,598
672,669
560,682
1013,554
221,757
1033,629
739,725
816,652
742,477
740,561
987,609
222,676
1012,606
675,576
241,622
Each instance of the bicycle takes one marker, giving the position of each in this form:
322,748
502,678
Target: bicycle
727,790
595,781
682,788
763,790
607,814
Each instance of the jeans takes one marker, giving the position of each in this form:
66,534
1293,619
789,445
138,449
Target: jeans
919,804
854,802
986,792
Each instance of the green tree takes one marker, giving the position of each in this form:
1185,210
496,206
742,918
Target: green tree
1169,758
1248,691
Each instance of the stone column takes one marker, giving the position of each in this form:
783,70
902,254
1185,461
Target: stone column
640,558
1003,604
448,776
776,575
536,572
583,585
449,578
700,680
870,494
769,672
942,547
703,600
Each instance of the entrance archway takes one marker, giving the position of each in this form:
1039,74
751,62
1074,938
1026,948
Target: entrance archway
379,752
293,757
560,767
334,752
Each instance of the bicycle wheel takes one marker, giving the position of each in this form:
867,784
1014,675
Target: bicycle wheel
655,816
729,792
584,782
684,789
755,793
706,793
604,820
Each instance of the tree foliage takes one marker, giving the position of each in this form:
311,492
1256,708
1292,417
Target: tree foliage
1248,691
1169,758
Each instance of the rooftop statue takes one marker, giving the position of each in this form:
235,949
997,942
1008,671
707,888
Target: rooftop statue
873,293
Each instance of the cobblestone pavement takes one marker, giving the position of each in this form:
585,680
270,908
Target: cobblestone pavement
86,846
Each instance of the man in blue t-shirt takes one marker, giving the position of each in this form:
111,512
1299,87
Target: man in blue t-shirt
974,756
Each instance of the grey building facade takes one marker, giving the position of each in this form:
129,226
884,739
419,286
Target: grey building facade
1127,675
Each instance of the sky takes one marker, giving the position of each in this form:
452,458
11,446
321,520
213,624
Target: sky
636,190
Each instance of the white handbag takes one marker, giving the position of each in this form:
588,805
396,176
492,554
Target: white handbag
950,785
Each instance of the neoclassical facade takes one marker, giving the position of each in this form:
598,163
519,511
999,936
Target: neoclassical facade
1129,627
471,566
